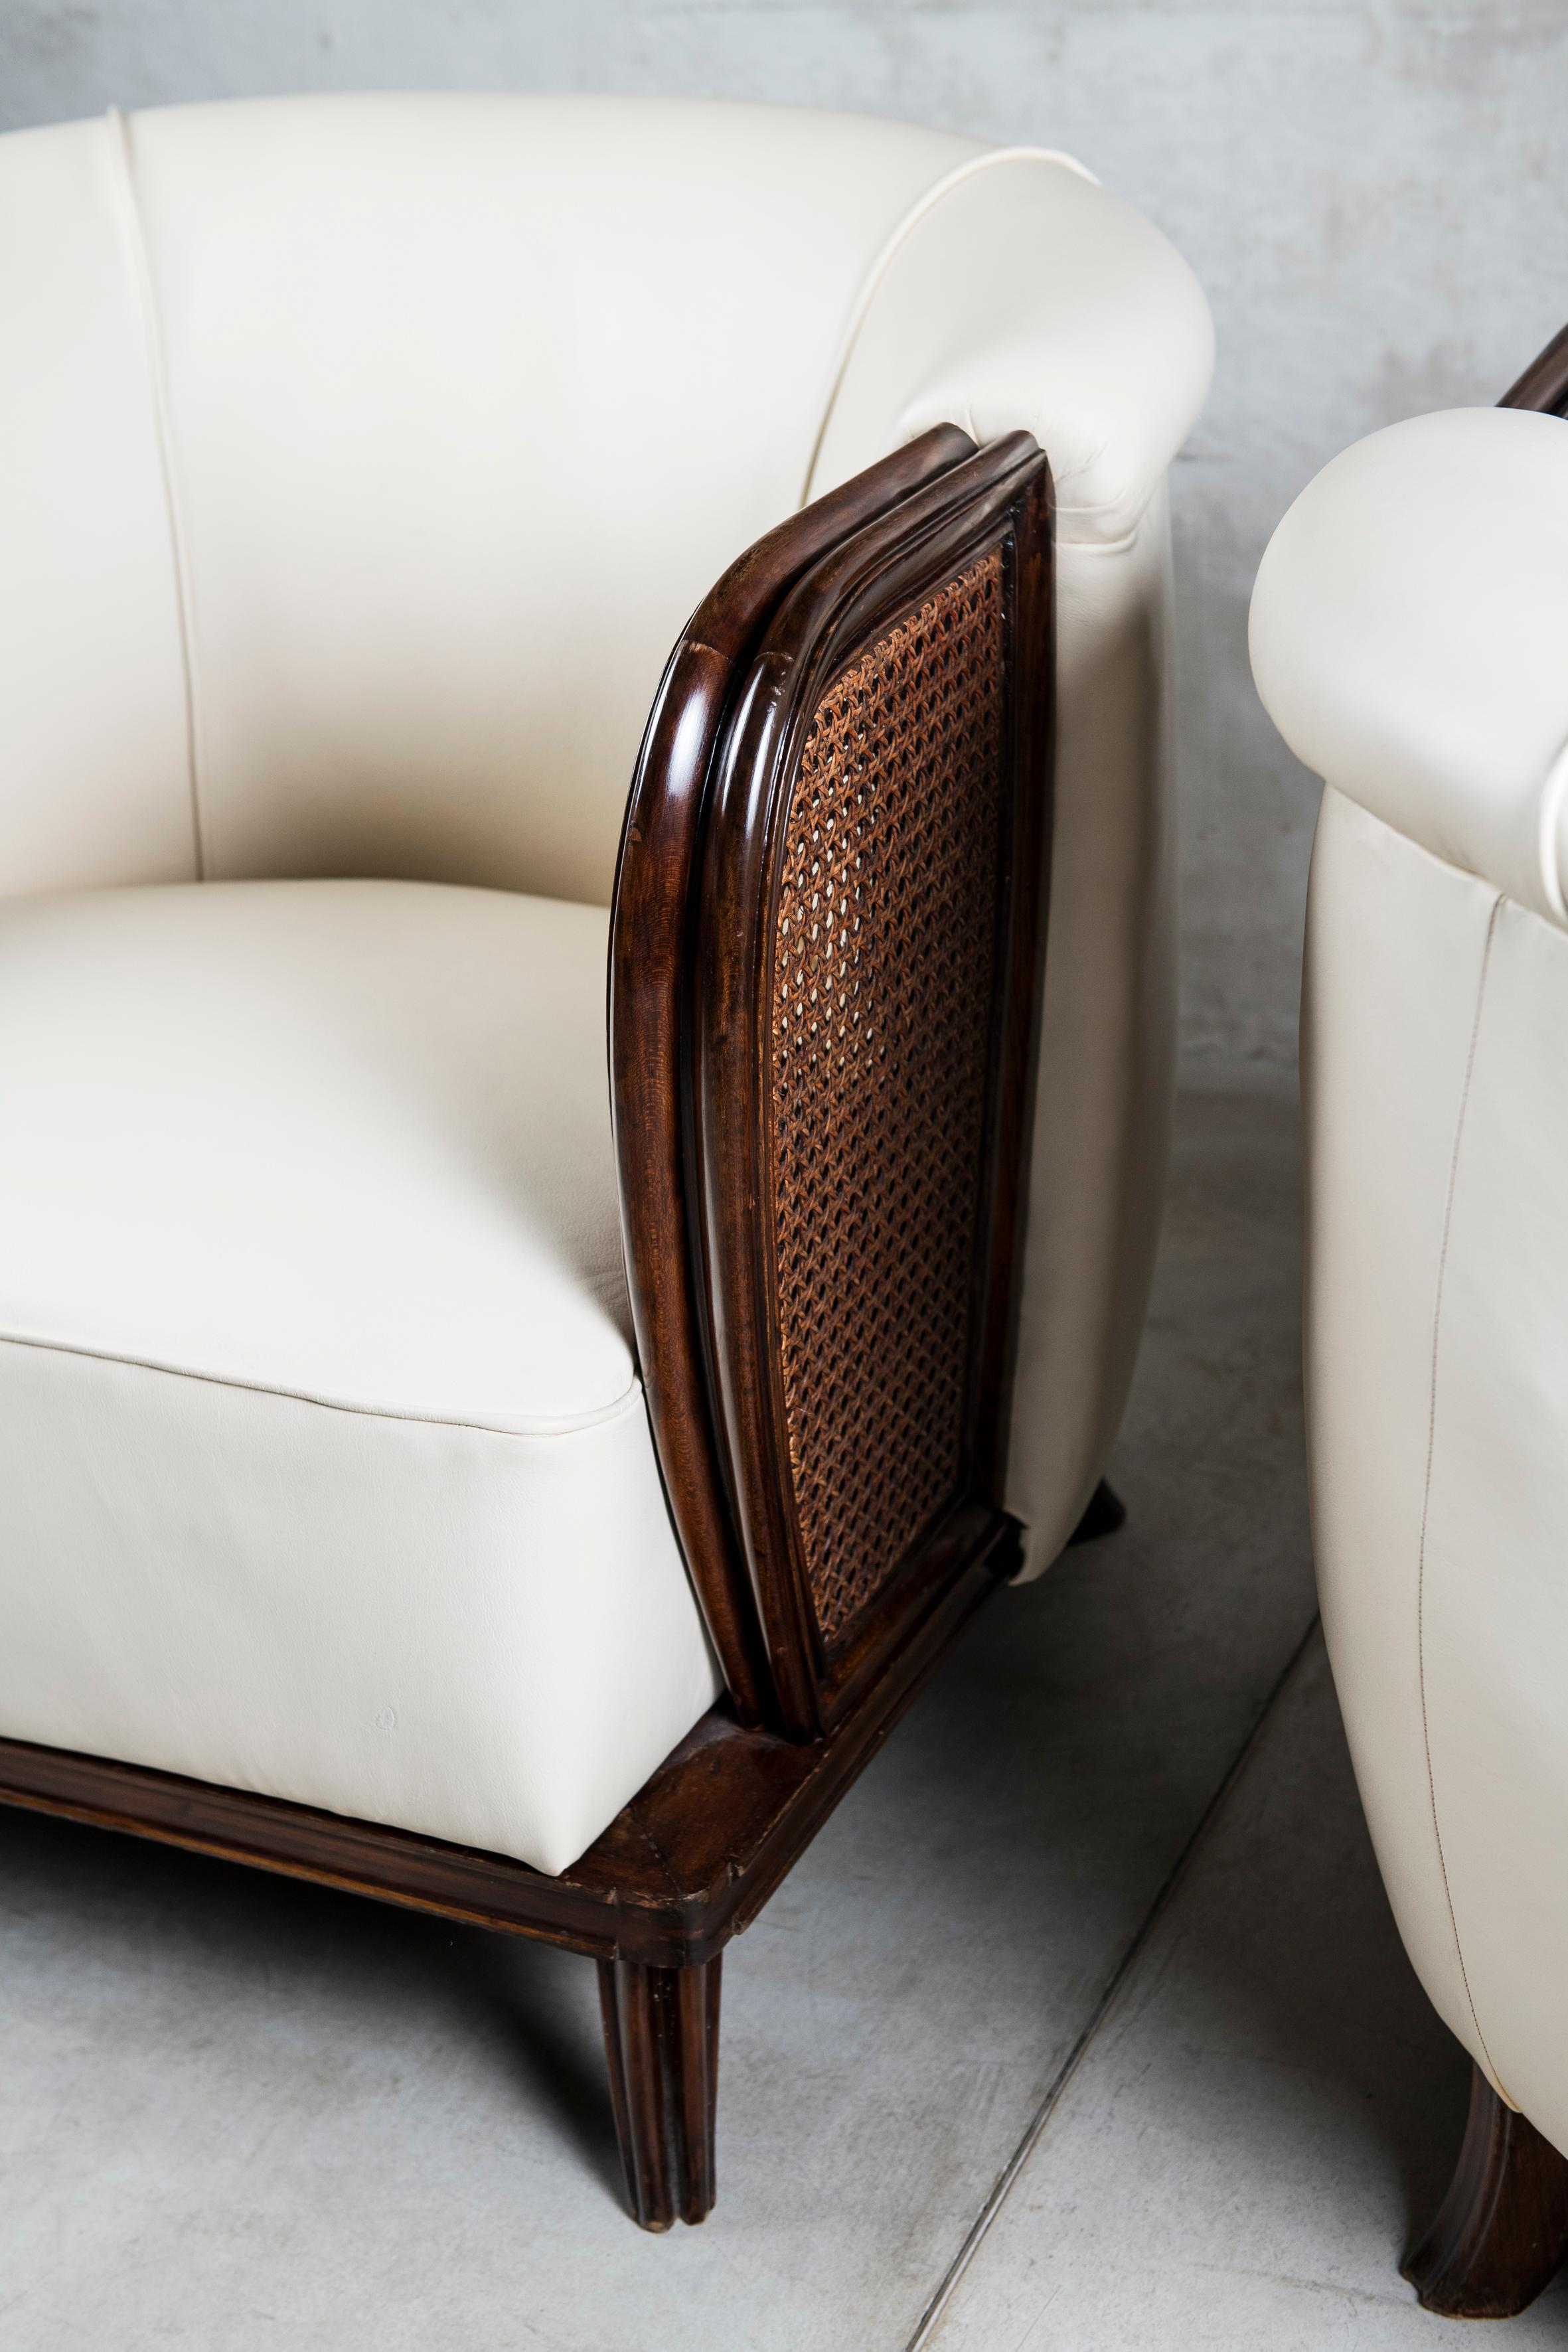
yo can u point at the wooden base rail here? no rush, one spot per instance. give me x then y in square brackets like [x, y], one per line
[687, 1865]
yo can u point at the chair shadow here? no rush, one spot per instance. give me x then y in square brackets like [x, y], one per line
[533, 2008]
[557, 2052]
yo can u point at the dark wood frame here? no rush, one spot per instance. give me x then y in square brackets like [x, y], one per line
[1543, 387]
[722, 1396]
[686, 967]
[1501, 2232]
[692, 1858]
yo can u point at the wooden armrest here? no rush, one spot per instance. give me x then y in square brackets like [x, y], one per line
[1543, 385]
[826, 956]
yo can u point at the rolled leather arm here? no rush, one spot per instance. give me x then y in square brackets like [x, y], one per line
[1019, 295]
[1409, 637]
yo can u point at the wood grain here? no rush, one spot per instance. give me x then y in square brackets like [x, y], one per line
[649, 1019]
[998, 499]
[661, 2039]
[1501, 2232]
[1543, 387]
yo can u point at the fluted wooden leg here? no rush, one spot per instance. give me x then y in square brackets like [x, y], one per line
[1103, 1514]
[661, 2037]
[1503, 2229]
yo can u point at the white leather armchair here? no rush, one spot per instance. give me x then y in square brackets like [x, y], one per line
[1408, 634]
[360, 461]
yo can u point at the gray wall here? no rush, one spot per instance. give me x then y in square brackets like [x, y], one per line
[1375, 196]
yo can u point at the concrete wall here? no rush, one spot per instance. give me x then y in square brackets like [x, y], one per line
[1375, 196]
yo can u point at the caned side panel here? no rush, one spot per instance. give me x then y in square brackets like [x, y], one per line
[885, 973]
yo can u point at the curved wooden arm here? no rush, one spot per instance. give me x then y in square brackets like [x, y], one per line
[650, 939]
[1544, 383]
[824, 960]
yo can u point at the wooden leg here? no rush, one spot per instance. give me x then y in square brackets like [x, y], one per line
[1103, 1514]
[1502, 2229]
[661, 2037]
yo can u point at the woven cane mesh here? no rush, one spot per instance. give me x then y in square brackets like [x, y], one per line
[884, 984]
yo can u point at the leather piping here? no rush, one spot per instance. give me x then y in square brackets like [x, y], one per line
[1427, 1490]
[141, 269]
[546, 1430]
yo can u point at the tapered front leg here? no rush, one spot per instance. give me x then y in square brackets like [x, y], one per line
[661, 2038]
[1503, 2229]
[1104, 1512]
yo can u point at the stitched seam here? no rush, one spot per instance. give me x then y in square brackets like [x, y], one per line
[1102, 546]
[861, 311]
[622, 1404]
[1427, 1492]
[153, 346]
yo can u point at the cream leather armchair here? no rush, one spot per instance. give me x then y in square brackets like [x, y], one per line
[1408, 634]
[422, 1466]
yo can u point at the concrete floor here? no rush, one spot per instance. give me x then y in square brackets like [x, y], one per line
[238, 2114]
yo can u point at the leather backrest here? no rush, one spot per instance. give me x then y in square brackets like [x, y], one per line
[360, 458]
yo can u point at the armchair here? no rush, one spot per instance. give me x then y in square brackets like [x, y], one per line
[1407, 633]
[424, 1468]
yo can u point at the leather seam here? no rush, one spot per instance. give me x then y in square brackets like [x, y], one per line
[623, 1404]
[153, 342]
[1427, 1490]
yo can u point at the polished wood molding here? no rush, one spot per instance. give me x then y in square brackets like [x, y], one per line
[1501, 2232]
[661, 2037]
[650, 1014]
[1543, 387]
[867, 940]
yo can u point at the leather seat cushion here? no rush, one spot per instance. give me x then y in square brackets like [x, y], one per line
[324, 1468]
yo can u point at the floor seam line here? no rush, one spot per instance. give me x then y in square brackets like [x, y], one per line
[1033, 2131]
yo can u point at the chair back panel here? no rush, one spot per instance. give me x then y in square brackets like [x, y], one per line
[436, 417]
